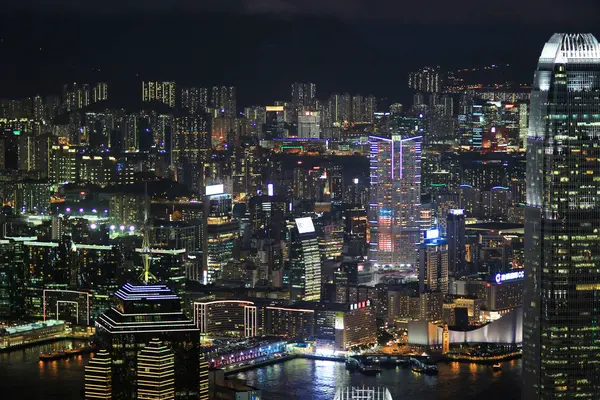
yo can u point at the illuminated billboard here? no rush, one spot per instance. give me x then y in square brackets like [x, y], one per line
[432, 234]
[305, 225]
[510, 276]
[274, 108]
[214, 189]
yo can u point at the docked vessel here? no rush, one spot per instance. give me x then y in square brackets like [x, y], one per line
[497, 367]
[57, 355]
[352, 364]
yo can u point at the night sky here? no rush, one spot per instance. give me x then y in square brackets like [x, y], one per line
[262, 46]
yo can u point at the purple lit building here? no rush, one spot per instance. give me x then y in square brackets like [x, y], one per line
[395, 204]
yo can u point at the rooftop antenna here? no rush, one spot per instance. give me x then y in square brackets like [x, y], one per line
[146, 275]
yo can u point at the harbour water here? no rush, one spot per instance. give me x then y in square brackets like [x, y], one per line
[23, 376]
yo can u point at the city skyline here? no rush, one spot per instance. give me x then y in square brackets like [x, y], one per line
[283, 199]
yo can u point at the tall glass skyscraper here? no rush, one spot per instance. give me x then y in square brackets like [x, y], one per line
[395, 205]
[561, 334]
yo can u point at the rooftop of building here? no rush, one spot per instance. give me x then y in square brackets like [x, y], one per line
[501, 227]
[145, 308]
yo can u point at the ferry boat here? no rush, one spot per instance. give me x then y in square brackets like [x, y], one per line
[57, 355]
[497, 367]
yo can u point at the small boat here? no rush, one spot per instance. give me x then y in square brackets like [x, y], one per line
[352, 364]
[497, 367]
[426, 369]
[52, 356]
[369, 370]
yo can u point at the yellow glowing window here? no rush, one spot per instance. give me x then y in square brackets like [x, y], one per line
[588, 286]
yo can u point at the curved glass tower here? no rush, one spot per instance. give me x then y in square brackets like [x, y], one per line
[561, 337]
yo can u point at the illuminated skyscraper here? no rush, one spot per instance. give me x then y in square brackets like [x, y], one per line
[433, 263]
[141, 313]
[305, 262]
[561, 350]
[155, 372]
[455, 231]
[395, 206]
[222, 231]
[98, 377]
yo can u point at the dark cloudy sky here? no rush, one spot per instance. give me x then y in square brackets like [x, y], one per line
[262, 46]
[558, 12]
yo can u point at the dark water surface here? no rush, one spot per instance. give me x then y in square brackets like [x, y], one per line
[22, 376]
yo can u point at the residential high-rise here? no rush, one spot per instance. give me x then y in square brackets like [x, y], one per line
[358, 109]
[427, 79]
[303, 95]
[224, 101]
[194, 100]
[98, 377]
[395, 206]
[561, 352]
[155, 372]
[159, 91]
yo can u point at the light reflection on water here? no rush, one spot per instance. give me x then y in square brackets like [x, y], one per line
[22, 376]
[302, 379]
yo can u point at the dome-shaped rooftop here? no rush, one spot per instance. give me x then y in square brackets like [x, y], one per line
[571, 47]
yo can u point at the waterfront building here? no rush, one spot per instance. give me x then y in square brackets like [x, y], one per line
[232, 318]
[155, 372]
[30, 333]
[140, 314]
[98, 377]
[561, 352]
[395, 206]
[340, 325]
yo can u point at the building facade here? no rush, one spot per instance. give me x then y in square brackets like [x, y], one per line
[395, 206]
[561, 352]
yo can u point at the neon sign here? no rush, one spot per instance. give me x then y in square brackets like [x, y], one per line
[510, 276]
